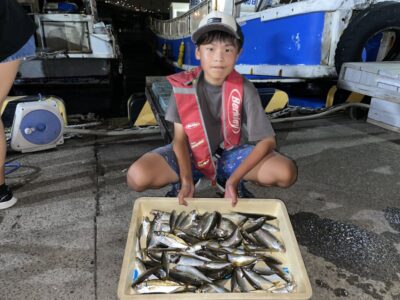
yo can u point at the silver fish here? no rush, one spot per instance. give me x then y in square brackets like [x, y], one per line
[160, 215]
[262, 268]
[160, 286]
[172, 221]
[191, 260]
[270, 227]
[142, 277]
[212, 288]
[256, 215]
[165, 262]
[266, 239]
[187, 237]
[218, 274]
[289, 288]
[208, 223]
[210, 255]
[139, 269]
[249, 238]
[282, 272]
[137, 248]
[256, 280]
[227, 225]
[252, 225]
[233, 240]
[181, 216]
[189, 219]
[234, 284]
[144, 231]
[237, 251]
[189, 274]
[270, 260]
[217, 233]
[170, 240]
[242, 282]
[276, 280]
[236, 218]
[241, 260]
[196, 247]
[216, 265]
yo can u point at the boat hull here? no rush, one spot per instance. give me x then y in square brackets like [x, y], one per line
[291, 41]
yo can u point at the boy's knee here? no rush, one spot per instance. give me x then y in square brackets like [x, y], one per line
[135, 179]
[288, 175]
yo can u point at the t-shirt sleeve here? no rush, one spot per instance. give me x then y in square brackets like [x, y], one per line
[172, 114]
[257, 124]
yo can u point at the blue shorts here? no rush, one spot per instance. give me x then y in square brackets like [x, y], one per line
[26, 51]
[227, 162]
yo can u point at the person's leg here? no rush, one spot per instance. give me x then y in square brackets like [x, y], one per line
[274, 170]
[150, 171]
[157, 169]
[8, 70]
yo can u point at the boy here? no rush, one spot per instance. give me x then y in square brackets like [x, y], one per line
[212, 105]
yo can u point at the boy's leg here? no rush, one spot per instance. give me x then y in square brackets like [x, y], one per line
[152, 170]
[273, 170]
[157, 169]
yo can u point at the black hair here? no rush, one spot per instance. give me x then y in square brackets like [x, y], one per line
[222, 36]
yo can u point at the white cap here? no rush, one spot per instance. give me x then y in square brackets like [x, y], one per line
[217, 20]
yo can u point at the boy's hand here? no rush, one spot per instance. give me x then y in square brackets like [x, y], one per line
[231, 192]
[187, 191]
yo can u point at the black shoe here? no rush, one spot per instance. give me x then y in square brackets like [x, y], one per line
[174, 191]
[242, 191]
[7, 199]
[176, 187]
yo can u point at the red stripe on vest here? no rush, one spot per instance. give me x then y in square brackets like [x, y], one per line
[192, 120]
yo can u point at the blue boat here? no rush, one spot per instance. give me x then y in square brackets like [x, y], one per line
[290, 40]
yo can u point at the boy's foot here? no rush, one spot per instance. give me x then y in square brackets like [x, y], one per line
[242, 191]
[7, 199]
[176, 187]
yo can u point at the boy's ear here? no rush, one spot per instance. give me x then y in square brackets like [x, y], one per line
[197, 52]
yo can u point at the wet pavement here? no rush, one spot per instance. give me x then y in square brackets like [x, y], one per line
[65, 238]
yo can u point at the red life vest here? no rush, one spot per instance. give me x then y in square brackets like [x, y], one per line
[184, 86]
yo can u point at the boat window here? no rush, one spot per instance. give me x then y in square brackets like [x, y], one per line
[70, 36]
[30, 6]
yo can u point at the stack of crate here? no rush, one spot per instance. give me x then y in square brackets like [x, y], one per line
[381, 81]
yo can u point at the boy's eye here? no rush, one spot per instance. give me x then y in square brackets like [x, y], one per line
[229, 50]
[209, 48]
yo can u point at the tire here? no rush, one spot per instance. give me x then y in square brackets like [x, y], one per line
[366, 25]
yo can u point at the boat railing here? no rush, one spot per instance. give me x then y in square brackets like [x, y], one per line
[183, 25]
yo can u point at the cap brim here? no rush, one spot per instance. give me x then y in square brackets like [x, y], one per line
[213, 27]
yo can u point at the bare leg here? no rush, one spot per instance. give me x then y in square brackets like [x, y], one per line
[274, 170]
[150, 171]
[8, 71]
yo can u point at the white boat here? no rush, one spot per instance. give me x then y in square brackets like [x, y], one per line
[287, 40]
[73, 45]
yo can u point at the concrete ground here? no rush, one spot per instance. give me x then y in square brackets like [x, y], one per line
[65, 238]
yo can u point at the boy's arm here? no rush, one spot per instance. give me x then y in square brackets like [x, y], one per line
[181, 150]
[262, 148]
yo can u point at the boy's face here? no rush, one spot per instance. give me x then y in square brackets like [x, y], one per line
[217, 60]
